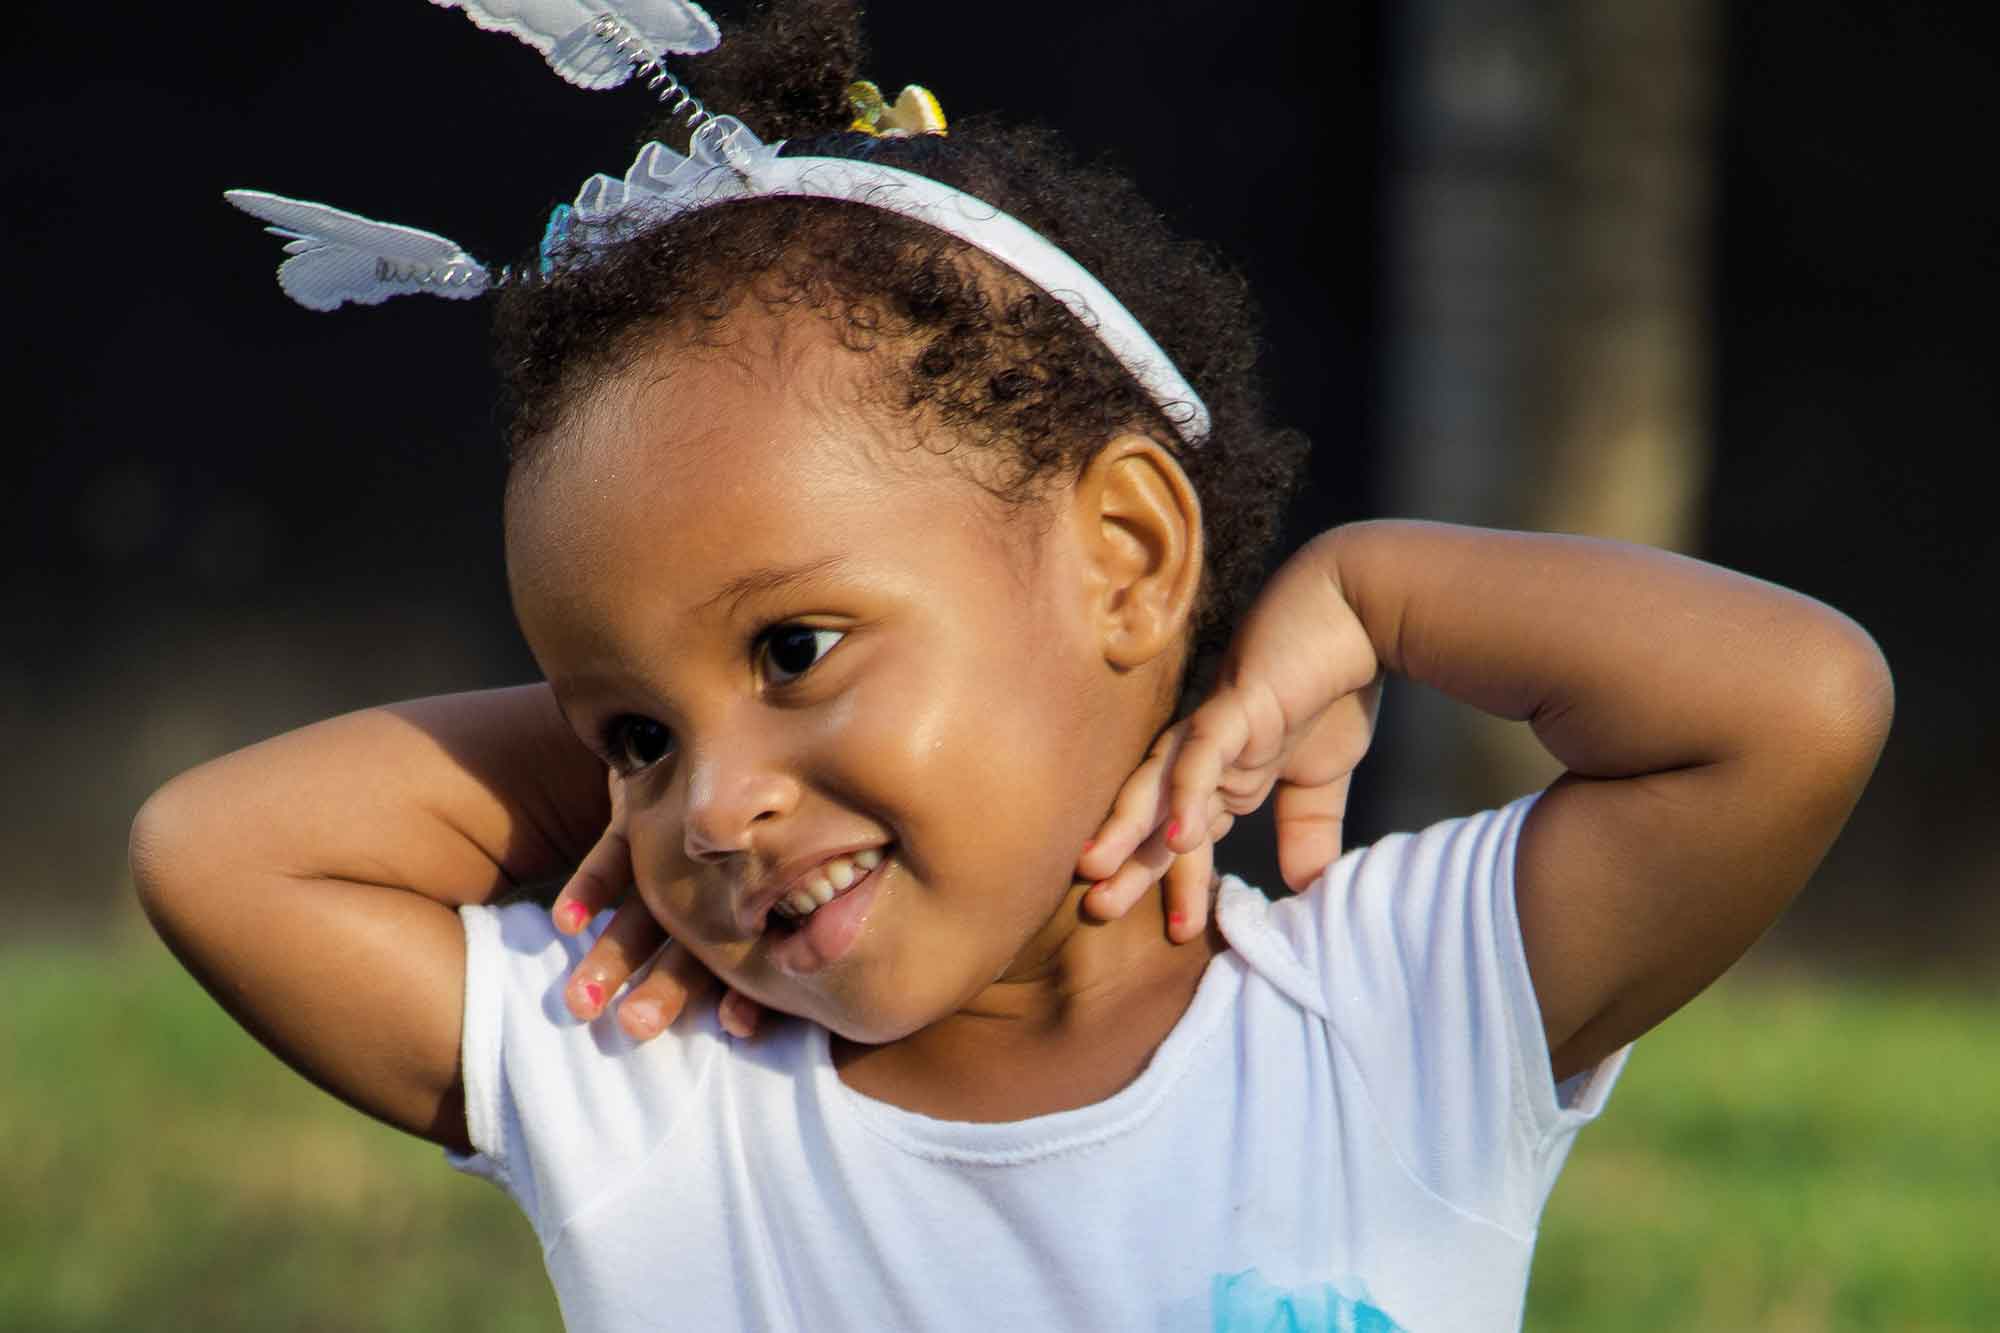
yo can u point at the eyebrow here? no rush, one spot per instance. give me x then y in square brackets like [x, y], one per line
[769, 579]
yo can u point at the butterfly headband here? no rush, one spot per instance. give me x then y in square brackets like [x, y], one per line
[337, 256]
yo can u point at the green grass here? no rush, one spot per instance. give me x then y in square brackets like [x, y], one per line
[1788, 1156]
[1782, 1156]
[160, 1171]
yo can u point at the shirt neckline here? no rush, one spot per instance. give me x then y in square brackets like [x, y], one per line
[1016, 1142]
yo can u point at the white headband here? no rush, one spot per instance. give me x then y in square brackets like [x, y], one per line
[338, 256]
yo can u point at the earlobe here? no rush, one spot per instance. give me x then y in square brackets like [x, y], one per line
[1141, 526]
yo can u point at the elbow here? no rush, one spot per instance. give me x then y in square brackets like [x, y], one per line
[157, 849]
[1861, 703]
[1847, 701]
[146, 849]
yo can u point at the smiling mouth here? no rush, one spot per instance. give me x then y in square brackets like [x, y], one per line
[823, 884]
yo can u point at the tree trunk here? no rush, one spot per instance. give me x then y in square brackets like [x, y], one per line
[1547, 361]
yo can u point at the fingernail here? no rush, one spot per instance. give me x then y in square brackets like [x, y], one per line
[641, 1018]
[1175, 918]
[573, 916]
[1089, 843]
[1173, 829]
[593, 994]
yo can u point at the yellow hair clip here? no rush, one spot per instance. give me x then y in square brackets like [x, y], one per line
[915, 111]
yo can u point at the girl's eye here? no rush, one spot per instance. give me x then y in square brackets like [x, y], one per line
[789, 651]
[634, 743]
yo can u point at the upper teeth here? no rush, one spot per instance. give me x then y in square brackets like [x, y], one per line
[825, 882]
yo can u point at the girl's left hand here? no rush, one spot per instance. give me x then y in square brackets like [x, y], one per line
[1293, 709]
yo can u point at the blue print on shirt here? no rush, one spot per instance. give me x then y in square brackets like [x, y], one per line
[1245, 1303]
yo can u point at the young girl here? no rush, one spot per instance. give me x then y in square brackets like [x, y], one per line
[896, 573]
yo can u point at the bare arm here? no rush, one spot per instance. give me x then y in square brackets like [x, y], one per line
[310, 882]
[1717, 731]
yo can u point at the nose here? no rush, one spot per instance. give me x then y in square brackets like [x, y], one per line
[734, 787]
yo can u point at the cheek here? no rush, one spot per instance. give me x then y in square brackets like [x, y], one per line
[671, 904]
[984, 758]
[669, 901]
[661, 874]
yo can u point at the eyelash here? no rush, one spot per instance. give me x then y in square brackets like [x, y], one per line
[619, 732]
[761, 653]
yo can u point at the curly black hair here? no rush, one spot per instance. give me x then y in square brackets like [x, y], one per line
[953, 338]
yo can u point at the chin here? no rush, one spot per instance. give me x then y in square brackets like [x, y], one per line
[877, 1028]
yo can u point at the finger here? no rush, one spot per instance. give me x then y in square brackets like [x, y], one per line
[659, 994]
[1185, 888]
[600, 881]
[739, 1014]
[1189, 885]
[1311, 809]
[1311, 825]
[1337, 740]
[1112, 897]
[1216, 735]
[627, 942]
[1140, 807]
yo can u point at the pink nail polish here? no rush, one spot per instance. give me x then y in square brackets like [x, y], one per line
[1173, 829]
[1089, 843]
[593, 994]
[1175, 918]
[573, 916]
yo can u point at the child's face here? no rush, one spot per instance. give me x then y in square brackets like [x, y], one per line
[803, 639]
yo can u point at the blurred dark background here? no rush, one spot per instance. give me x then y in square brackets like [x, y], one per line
[1723, 278]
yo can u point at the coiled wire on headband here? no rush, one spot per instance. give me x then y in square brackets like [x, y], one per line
[649, 65]
[422, 275]
[335, 256]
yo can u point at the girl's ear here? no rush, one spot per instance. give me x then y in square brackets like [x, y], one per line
[1139, 521]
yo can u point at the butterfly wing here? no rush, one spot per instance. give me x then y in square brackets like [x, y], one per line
[562, 31]
[337, 256]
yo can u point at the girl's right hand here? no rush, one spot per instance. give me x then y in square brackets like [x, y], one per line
[657, 994]
[1292, 713]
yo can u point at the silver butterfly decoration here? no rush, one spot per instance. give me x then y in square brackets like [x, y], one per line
[337, 256]
[562, 30]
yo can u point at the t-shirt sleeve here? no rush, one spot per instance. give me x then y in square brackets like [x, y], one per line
[555, 1108]
[1415, 943]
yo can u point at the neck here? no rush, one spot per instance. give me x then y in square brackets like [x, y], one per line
[1073, 1019]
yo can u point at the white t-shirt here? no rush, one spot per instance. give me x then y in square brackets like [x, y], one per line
[1353, 1126]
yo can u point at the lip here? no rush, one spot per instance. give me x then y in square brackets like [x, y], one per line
[753, 914]
[831, 932]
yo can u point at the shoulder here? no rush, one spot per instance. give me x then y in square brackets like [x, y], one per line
[555, 1108]
[1410, 952]
[1396, 914]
